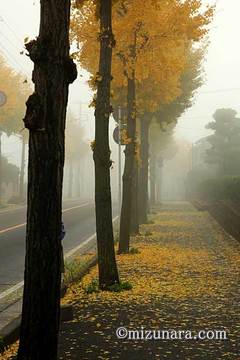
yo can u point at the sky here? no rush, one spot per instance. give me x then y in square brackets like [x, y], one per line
[20, 19]
[222, 67]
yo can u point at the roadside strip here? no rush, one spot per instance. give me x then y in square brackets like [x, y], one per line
[10, 333]
[67, 256]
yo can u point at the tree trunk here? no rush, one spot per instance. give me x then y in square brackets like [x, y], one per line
[134, 210]
[70, 179]
[125, 221]
[0, 167]
[22, 170]
[153, 179]
[108, 274]
[45, 119]
[143, 174]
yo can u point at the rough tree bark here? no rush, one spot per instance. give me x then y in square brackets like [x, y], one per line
[144, 171]
[45, 119]
[22, 170]
[125, 221]
[108, 273]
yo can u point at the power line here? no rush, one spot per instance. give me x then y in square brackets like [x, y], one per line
[196, 117]
[10, 41]
[18, 49]
[12, 31]
[12, 57]
[187, 128]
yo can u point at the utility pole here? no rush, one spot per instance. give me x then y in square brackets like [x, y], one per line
[3, 100]
[192, 165]
[80, 114]
[22, 171]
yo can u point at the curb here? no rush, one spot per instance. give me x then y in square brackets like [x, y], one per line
[10, 333]
[92, 262]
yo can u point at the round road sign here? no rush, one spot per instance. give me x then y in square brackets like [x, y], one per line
[116, 134]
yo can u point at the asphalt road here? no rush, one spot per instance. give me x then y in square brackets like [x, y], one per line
[79, 221]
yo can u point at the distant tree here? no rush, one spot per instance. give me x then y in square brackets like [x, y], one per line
[10, 172]
[16, 90]
[225, 142]
[24, 141]
[168, 112]
[76, 149]
[162, 147]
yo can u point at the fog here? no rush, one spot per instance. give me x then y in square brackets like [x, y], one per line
[127, 214]
[220, 89]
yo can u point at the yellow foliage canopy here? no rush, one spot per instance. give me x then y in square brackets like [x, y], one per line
[17, 91]
[152, 39]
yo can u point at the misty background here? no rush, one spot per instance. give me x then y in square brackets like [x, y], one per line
[20, 20]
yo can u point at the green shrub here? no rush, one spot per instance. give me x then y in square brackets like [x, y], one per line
[92, 287]
[120, 287]
[134, 251]
[148, 233]
[77, 268]
[150, 222]
[194, 178]
[220, 188]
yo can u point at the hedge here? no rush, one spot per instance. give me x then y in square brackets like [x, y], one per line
[221, 188]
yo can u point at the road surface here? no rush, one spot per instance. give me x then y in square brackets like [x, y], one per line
[79, 220]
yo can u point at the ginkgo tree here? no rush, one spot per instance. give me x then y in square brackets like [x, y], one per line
[163, 100]
[16, 90]
[161, 56]
[12, 84]
[168, 113]
[76, 148]
[100, 13]
[152, 39]
[54, 70]
[162, 147]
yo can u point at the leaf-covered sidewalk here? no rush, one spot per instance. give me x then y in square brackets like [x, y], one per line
[185, 277]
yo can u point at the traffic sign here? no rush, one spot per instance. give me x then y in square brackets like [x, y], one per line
[116, 134]
[116, 114]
